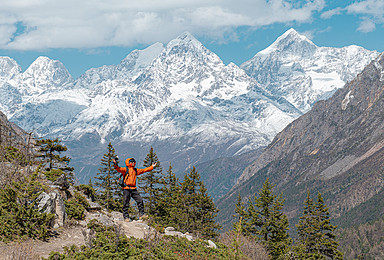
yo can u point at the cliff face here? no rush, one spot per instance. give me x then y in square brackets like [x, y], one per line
[336, 149]
[11, 134]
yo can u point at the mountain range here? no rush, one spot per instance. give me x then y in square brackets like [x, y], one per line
[179, 98]
[337, 149]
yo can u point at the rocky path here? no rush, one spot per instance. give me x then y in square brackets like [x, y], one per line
[75, 235]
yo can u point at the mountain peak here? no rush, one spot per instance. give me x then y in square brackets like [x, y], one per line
[186, 36]
[8, 68]
[291, 39]
[45, 70]
[45, 63]
[185, 39]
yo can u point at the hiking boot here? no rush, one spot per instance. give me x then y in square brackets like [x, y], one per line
[143, 217]
[127, 220]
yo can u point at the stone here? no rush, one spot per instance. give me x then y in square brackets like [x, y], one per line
[62, 182]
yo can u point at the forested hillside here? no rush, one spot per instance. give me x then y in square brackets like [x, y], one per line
[44, 204]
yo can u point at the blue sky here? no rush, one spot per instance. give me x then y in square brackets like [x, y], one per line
[91, 33]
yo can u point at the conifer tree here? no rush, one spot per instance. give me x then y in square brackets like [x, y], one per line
[316, 237]
[328, 245]
[240, 213]
[264, 219]
[169, 200]
[107, 180]
[151, 182]
[49, 151]
[198, 210]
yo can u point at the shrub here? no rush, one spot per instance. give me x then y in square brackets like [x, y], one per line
[19, 216]
[75, 207]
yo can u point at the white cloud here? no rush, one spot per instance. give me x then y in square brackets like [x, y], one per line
[366, 26]
[368, 7]
[372, 11]
[98, 23]
[328, 14]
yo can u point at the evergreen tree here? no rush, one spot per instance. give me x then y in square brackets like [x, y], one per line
[152, 182]
[107, 180]
[263, 219]
[316, 238]
[49, 151]
[328, 246]
[169, 200]
[197, 209]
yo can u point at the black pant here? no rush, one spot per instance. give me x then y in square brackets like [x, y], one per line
[128, 193]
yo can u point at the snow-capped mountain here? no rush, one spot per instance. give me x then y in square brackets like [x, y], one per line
[179, 98]
[295, 68]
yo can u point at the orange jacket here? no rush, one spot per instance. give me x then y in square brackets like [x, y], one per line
[130, 178]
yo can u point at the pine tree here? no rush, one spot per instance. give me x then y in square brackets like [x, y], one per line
[316, 238]
[240, 213]
[107, 180]
[49, 151]
[263, 219]
[169, 200]
[197, 209]
[328, 245]
[151, 182]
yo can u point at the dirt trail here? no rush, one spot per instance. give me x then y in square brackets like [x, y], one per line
[33, 249]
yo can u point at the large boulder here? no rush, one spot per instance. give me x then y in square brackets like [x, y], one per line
[52, 203]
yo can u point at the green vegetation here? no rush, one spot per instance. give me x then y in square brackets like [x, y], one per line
[263, 219]
[48, 152]
[19, 217]
[316, 234]
[107, 243]
[109, 193]
[76, 206]
[260, 231]
[151, 182]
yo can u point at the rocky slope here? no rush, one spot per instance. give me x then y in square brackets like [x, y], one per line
[335, 149]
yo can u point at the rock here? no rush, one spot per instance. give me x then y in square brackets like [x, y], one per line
[93, 206]
[62, 182]
[102, 218]
[211, 244]
[60, 212]
[168, 229]
[52, 203]
[117, 216]
[45, 203]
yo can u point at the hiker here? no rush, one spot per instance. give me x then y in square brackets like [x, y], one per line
[129, 186]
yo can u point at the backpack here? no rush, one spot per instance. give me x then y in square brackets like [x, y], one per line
[121, 179]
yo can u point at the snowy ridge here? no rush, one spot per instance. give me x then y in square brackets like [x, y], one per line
[179, 98]
[296, 69]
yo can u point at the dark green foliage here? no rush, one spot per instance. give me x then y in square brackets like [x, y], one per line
[316, 234]
[108, 244]
[12, 154]
[19, 217]
[263, 219]
[109, 193]
[49, 153]
[76, 206]
[186, 206]
[53, 174]
[197, 211]
[88, 190]
[168, 201]
[151, 182]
